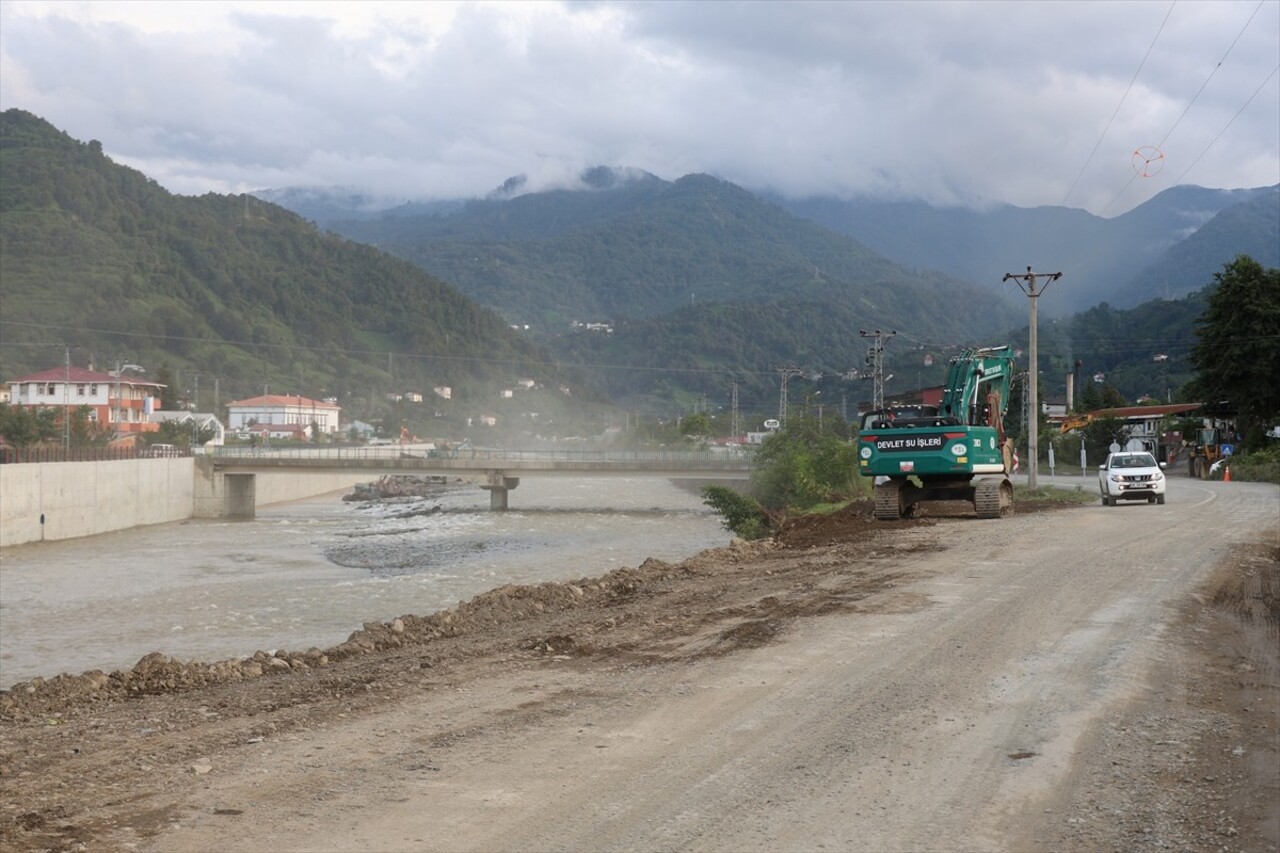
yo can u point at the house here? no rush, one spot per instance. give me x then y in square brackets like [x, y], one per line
[286, 432]
[444, 392]
[116, 398]
[283, 410]
[195, 420]
[362, 430]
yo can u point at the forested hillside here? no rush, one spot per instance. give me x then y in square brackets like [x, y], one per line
[99, 258]
[643, 247]
[1103, 260]
[1251, 228]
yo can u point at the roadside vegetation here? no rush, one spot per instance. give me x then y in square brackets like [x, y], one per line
[1258, 466]
[805, 464]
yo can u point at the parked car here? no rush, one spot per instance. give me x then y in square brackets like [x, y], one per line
[1131, 476]
[163, 451]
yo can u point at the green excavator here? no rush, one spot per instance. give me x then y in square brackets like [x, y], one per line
[955, 452]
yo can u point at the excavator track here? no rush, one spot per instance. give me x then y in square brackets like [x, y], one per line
[888, 498]
[993, 498]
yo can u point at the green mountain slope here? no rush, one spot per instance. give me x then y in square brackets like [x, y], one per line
[1101, 258]
[646, 247]
[98, 257]
[1250, 228]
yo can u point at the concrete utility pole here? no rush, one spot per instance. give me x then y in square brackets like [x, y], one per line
[875, 358]
[1027, 282]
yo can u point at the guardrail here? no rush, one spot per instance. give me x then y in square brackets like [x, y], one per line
[497, 456]
[18, 455]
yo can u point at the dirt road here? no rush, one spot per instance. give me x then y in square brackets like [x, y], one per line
[1091, 678]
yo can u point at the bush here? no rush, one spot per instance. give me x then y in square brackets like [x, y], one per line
[740, 514]
[800, 466]
[1260, 466]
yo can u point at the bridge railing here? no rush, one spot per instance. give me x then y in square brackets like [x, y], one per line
[692, 458]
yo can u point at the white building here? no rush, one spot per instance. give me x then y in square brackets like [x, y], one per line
[278, 409]
[197, 420]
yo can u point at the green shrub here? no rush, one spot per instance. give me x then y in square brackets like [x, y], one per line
[1260, 466]
[738, 513]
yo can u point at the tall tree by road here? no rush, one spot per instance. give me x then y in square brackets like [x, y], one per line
[1238, 353]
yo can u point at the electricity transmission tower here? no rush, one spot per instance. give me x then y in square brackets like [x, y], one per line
[875, 360]
[785, 373]
[733, 418]
[1028, 283]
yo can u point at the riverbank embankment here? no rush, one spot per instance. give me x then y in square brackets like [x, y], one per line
[49, 501]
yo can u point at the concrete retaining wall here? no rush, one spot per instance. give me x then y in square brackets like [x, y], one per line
[83, 498]
[86, 498]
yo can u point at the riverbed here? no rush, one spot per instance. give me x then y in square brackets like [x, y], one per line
[308, 573]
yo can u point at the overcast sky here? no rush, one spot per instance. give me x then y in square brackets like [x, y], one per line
[1030, 103]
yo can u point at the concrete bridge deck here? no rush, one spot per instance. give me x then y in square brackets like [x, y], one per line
[495, 469]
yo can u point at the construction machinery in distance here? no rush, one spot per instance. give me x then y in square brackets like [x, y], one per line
[955, 451]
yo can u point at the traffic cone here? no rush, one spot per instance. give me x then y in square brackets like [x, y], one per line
[1226, 475]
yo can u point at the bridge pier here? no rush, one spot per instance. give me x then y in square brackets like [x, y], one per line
[222, 494]
[498, 485]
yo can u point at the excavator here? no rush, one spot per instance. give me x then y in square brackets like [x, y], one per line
[957, 451]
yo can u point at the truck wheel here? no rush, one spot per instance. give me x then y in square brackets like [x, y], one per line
[1160, 500]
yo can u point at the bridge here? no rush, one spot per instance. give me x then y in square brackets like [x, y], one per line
[496, 470]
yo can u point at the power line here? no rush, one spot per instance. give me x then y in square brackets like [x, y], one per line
[1192, 102]
[1132, 80]
[1230, 121]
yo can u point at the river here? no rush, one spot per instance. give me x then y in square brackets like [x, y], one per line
[308, 573]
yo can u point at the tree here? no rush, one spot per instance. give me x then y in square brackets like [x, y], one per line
[169, 393]
[88, 433]
[1090, 397]
[23, 427]
[1099, 434]
[1112, 398]
[800, 465]
[1238, 349]
[696, 426]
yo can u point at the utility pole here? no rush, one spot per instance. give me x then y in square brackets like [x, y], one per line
[1029, 283]
[66, 400]
[875, 358]
[785, 373]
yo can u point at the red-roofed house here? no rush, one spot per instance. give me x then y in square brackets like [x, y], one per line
[281, 410]
[124, 402]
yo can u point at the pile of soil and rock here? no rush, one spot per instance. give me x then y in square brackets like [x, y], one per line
[390, 486]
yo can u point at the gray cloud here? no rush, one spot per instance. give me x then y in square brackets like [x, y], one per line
[956, 102]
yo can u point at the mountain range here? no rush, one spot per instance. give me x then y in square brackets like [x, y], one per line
[1167, 247]
[654, 294]
[98, 262]
[700, 279]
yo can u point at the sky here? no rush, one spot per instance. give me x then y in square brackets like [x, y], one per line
[1092, 105]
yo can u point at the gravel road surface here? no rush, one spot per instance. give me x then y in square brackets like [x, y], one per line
[1088, 678]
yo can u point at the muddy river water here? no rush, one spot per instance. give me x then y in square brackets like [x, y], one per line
[309, 573]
